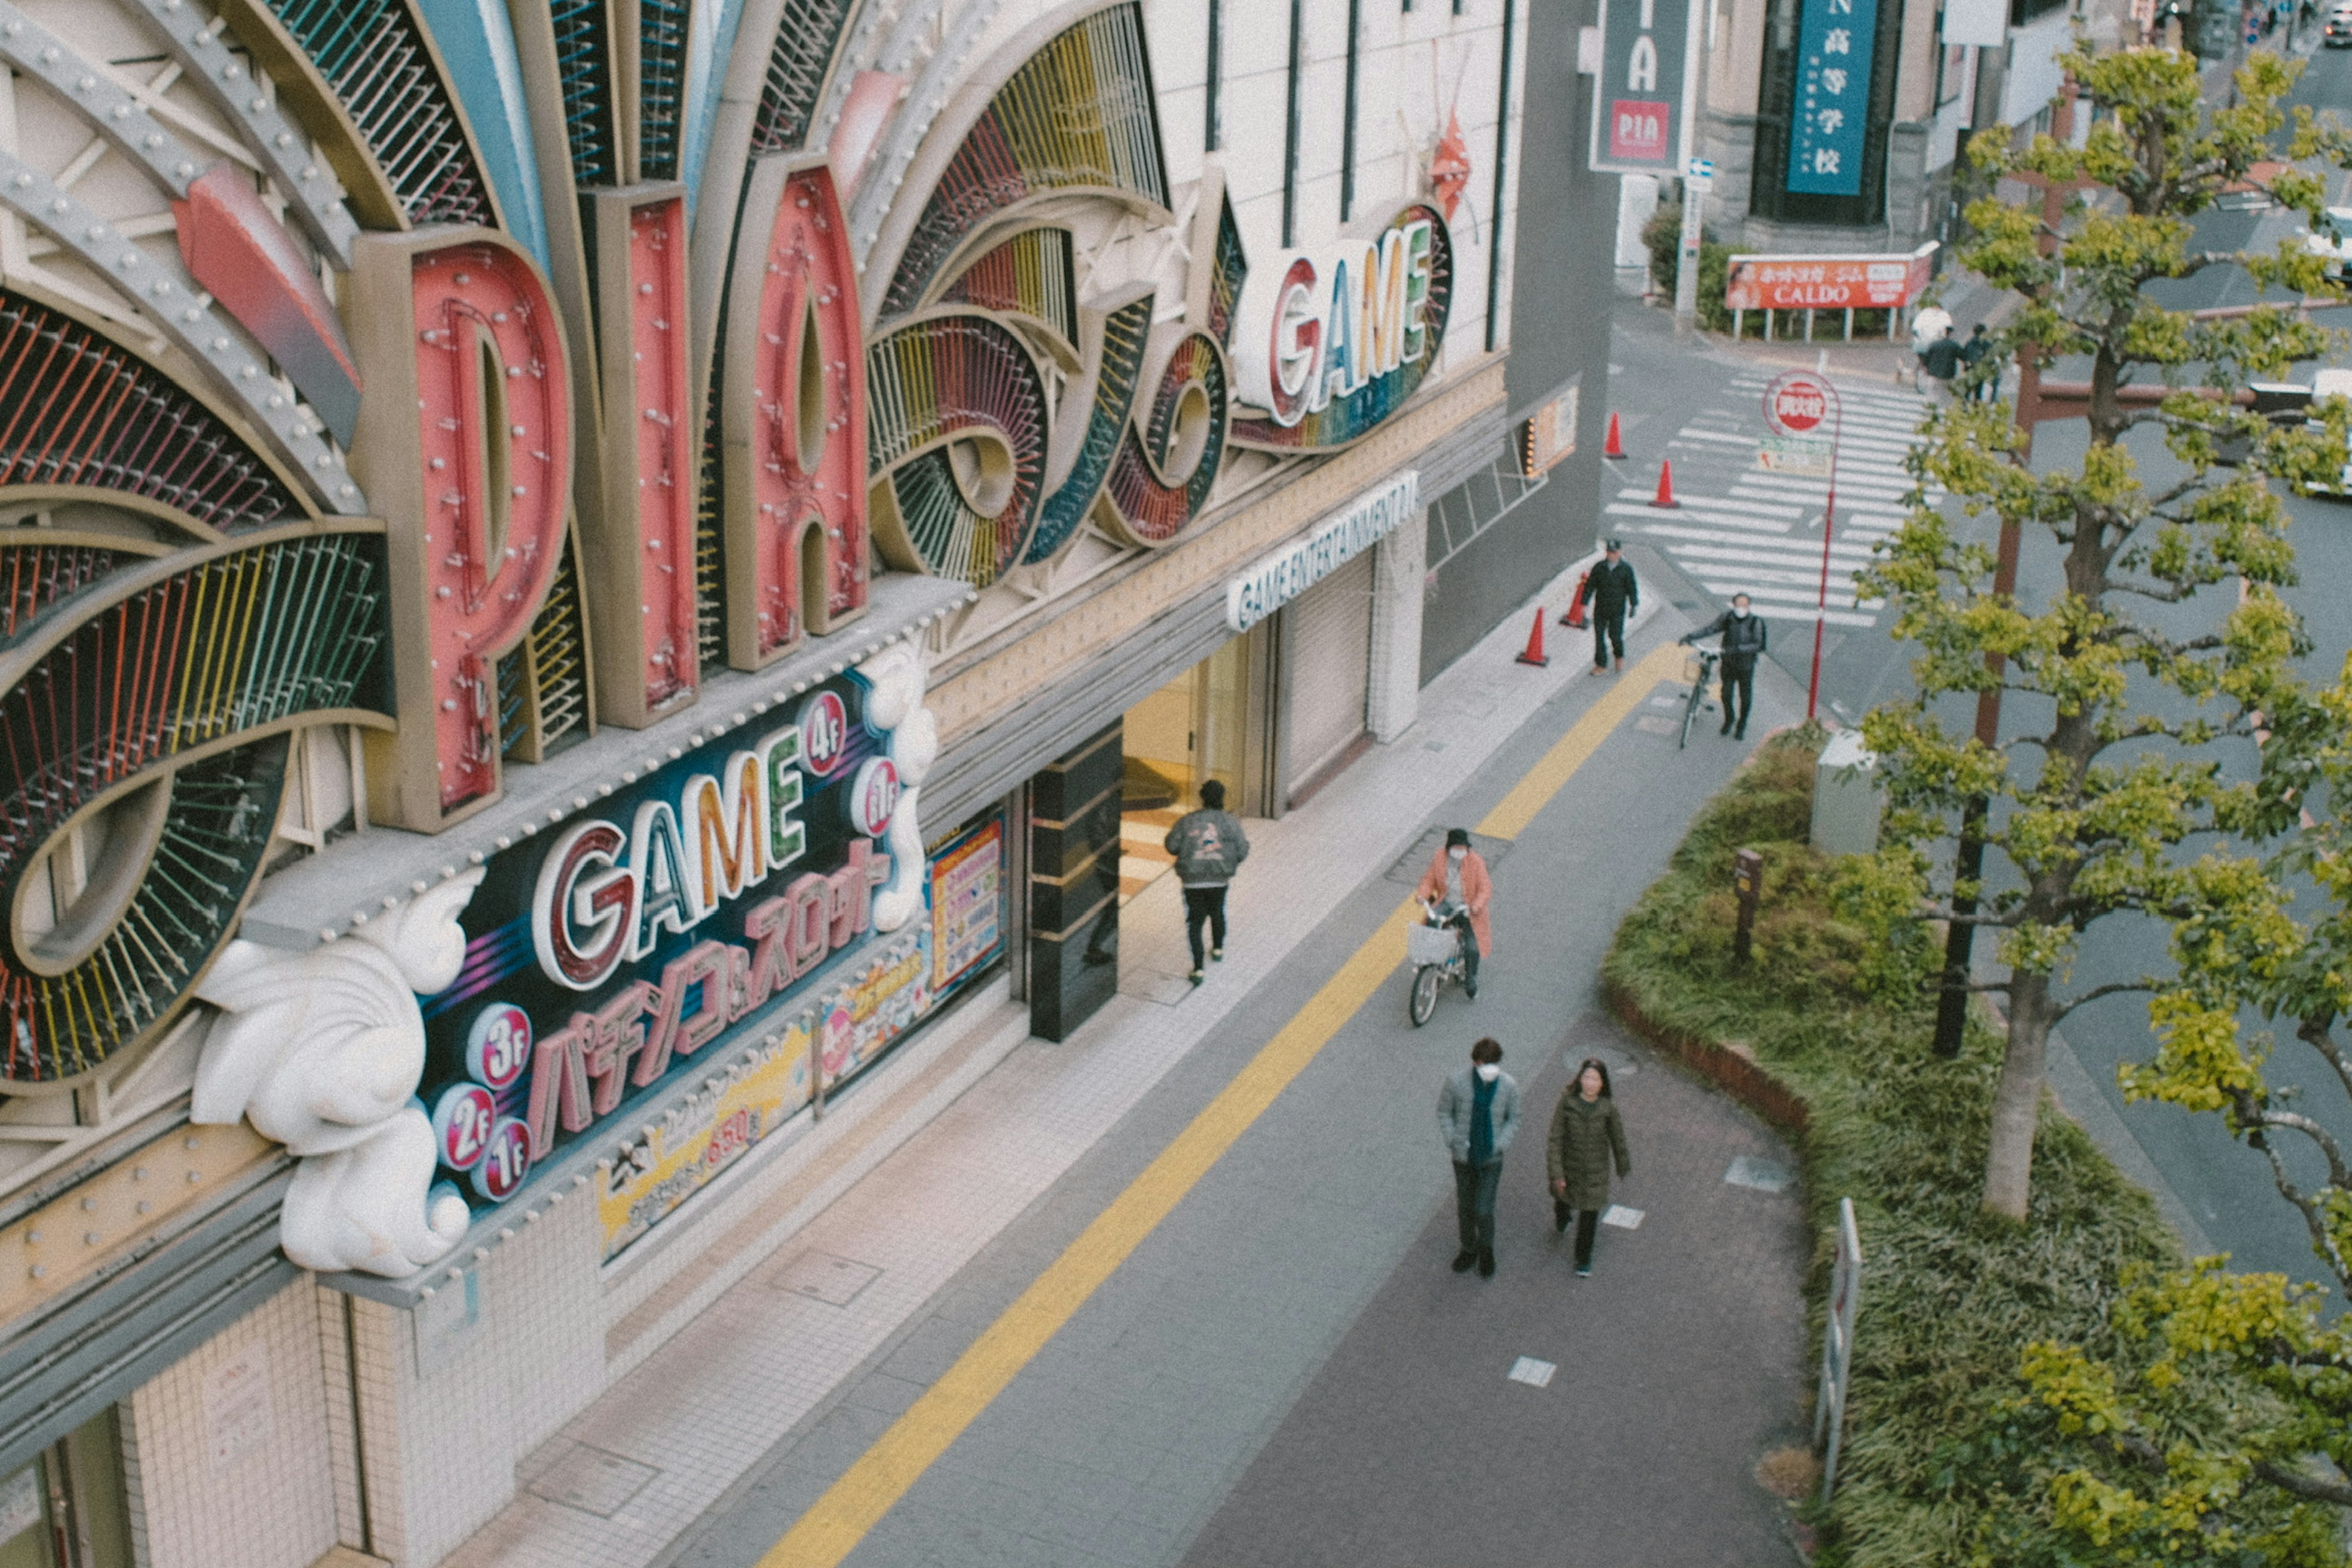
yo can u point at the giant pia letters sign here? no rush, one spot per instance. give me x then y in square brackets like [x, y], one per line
[728, 893]
[445, 429]
[1648, 60]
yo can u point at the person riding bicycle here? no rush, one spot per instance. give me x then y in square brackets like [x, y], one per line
[1457, 886]
[1743, 643]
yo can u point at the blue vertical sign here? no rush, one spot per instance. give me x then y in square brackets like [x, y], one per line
[1835, 41]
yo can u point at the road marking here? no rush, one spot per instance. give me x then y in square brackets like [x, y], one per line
[1533, 1372]
[856, 1503]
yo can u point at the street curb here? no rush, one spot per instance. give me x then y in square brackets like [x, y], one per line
[1728, 1064]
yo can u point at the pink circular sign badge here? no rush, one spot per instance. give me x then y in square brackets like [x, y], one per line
[462, 1121]
[825, 732]
[497, 1047]
[506, 1159]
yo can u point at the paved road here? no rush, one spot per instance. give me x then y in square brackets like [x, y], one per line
[1288, 1347]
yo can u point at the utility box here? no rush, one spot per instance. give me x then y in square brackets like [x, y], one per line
[1847, 799]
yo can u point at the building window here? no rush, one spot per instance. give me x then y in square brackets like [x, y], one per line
[1290, 129]
[66, 1510]
[1215, 130]
[1348, 108]
[2021, 12]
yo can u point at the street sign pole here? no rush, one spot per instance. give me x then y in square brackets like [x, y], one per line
[1695, 182]
[1796, 404]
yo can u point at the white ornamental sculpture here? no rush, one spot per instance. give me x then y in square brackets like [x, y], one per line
[322, 1051]
[896, 704]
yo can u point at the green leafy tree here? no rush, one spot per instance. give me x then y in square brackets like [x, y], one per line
[2105, 779]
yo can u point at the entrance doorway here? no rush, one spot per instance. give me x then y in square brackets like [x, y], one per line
[1209, 723]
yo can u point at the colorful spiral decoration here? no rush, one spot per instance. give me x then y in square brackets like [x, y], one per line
[584, 65]
[806, 37]
[183, 683]
[1229, 271]
[80, 413]
[1078, 115]
[371, 57]
[958, 421]
[1118, 372]
[1029, 275]
[1157, 487]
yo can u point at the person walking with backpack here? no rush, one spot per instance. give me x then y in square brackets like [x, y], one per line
[1614, 594]
[1477, 1117]
[1209, 847]
[1586, 1130]
[1743, 636]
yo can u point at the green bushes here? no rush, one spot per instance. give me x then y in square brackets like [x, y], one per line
[1945, 1462]
[1662, 237]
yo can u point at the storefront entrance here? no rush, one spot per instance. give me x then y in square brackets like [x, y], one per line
[1202, 725]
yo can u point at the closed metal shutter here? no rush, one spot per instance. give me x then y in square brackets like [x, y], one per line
[1330, 633]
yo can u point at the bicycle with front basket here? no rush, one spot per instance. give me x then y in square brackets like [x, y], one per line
[1434, 947]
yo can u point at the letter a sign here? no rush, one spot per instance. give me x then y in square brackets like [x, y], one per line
[1649, 53]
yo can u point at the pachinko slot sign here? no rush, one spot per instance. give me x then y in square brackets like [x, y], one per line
[687, 912]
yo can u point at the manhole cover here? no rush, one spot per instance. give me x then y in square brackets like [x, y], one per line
[1763, 1175]
[1408, 869]
[822, 1277]
[593, 1480]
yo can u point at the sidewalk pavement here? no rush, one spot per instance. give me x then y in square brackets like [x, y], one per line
[1264, 1345]
[771, 1355]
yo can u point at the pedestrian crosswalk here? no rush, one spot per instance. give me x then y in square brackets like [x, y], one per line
[1742, 530]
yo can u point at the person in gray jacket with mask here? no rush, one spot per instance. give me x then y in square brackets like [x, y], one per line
[1743, 643]
[1209, 848]
[1477, 1117]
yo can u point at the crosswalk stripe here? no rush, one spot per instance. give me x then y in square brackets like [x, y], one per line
[1834, 617]
[1718, 536]
[1691, 433]
[1699, 514]
[1802, 603]
[1761, 509]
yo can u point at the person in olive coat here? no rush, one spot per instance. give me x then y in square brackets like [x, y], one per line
[1586, 1130]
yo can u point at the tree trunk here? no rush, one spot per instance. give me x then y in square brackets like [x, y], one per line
[2017, 1102]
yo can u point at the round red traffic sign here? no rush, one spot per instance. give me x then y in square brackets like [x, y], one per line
[1796, 404]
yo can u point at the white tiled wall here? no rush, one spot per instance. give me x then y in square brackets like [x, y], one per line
[445, 1432]
[228, 1454]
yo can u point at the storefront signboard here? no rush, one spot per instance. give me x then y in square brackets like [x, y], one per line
[1648, 50]
[1282, 576]
[723, 899]
[1802, 282]
[1329, 342]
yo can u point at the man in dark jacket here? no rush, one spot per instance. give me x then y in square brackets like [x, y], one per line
[1209, 849]
[1614, 594]
[1972, 353]
[1743, 645]
[1942, 360]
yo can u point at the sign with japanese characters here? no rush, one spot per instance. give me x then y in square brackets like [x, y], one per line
[1828, 282]
[1836, 42]
[1645, 69]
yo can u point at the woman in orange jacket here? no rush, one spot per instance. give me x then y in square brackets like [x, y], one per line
[1458, 876]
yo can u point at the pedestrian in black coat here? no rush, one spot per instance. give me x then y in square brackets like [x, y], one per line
[1586, 1132]
[1743, 643]
[1615, 595]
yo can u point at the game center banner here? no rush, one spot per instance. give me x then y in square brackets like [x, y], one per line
[714, 917]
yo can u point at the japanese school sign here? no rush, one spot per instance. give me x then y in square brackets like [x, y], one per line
[1836, 42]
[1649, 62]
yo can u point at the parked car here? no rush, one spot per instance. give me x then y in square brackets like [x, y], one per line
[2339, 251]
[2338, 32]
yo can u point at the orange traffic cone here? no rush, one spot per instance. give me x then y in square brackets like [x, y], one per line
[1665, 496]
[1533, 653]
[1575, 615]
[1615, 445]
